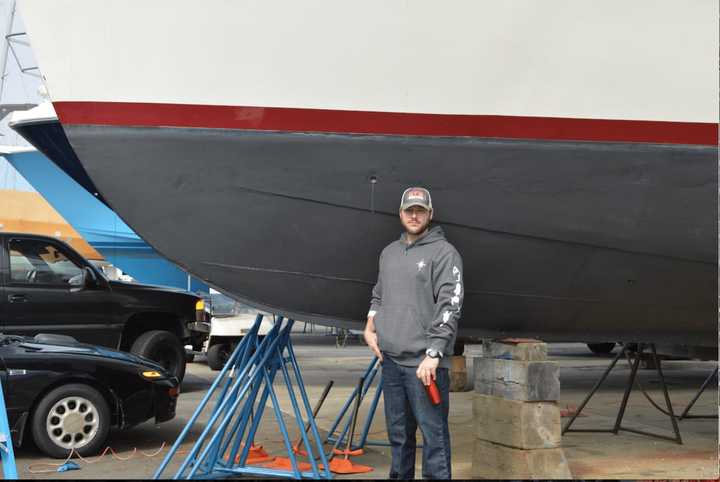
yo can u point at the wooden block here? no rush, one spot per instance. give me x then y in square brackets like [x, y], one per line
[516, 349]
[457, 363]
[494, 461]
[518, 380]
[524, 425]
[458, 374]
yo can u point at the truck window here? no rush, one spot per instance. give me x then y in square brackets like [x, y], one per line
[40, 262]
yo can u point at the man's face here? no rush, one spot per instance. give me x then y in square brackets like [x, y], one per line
[415, 219]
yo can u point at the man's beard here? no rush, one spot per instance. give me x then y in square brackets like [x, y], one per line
[416, 230]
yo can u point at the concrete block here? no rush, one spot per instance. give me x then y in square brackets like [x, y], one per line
[518, 380]
[524, 425]
[516, 349]
[494, 461]
[471, 351]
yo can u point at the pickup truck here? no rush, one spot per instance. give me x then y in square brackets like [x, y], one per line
[47, 287]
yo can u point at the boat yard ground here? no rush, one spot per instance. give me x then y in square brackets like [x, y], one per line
[590, 455]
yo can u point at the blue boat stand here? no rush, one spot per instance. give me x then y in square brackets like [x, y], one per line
[7, 455]
[223, 446]
[373, 370]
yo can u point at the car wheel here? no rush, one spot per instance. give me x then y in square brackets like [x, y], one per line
[70, 417]
[218, 355]
[163, 348]
[601, 348]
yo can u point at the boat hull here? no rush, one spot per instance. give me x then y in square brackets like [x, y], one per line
[100, 228]
[571, 159]
[562, 240]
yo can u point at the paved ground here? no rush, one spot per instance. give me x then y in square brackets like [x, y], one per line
[591, 456]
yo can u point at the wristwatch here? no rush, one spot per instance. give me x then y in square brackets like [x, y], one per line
[433, 353]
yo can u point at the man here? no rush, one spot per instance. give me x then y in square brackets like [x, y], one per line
[411, 327]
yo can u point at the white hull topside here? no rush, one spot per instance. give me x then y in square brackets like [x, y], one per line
[611, 59]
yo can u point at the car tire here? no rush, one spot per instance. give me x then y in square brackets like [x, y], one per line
[71, 416]
[164, 348]
[601, 348]
[218, 355]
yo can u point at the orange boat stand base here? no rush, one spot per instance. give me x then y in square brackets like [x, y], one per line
[354, 453]
[345, 466]
[284, 463]
[256, 455]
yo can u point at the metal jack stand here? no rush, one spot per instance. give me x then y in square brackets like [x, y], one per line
[224, 445]
[686, 412]
[369, 377]
[628, 388]
[6, 446]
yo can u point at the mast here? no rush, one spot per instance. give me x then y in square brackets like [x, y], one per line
[6, 46]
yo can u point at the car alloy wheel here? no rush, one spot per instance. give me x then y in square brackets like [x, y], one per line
[72, 422]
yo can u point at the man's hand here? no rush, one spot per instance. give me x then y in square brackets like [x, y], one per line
[427, 370]
[371, 338]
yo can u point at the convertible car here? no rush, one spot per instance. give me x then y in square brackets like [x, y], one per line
[66, 395]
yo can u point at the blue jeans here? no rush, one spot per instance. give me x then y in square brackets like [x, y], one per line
[407, 406]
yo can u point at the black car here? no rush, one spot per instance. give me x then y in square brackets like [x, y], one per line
[65, 394]
[47, 287]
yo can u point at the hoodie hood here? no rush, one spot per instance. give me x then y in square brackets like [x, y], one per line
[433, 234]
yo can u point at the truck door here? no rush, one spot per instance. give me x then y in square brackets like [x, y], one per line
[45, 293]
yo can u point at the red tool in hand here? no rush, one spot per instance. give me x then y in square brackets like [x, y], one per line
[433, 393]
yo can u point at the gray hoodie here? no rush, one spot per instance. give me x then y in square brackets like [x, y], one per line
[417, 299]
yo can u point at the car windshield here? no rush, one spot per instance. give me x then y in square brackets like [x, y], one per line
[224, 306]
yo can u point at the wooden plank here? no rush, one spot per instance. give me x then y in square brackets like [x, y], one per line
[494, 461]
[518, 380]
[522, 350]
[525, 425]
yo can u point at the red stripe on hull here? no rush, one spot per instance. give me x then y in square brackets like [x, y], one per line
[384, 123]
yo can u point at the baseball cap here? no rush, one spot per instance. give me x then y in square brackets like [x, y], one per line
[416, 196]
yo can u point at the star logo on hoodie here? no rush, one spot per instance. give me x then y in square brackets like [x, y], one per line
[421, 264]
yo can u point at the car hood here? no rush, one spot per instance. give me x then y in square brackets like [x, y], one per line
[89, 350]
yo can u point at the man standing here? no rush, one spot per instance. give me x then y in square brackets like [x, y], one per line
[411, 327]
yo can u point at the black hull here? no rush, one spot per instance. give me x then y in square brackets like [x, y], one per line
[560, 240]
[49, 138]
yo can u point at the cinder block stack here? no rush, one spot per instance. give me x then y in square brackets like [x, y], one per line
[517, 418]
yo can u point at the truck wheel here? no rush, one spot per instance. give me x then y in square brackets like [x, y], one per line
[163, 348]
[601, 348]
[217, 355]
[70, 417]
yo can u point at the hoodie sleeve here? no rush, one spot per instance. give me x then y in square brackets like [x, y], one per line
[449, 292]
[376, 299]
